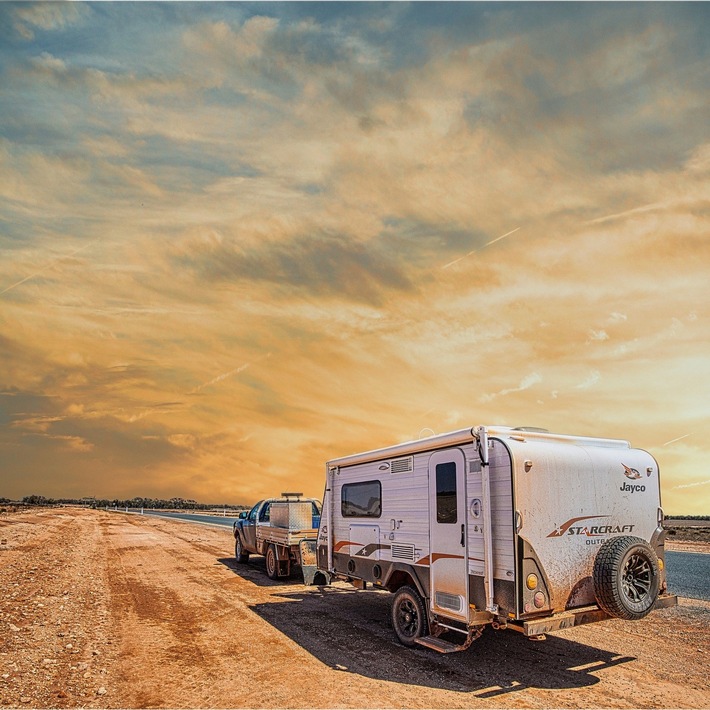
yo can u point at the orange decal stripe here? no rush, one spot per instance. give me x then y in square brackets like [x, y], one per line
[344, 543]
[445, 556]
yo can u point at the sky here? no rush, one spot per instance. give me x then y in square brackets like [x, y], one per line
[240, 239]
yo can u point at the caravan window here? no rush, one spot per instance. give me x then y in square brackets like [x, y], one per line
[446, 493]
[361, 500]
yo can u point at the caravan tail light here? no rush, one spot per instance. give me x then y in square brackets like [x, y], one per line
[531, 581]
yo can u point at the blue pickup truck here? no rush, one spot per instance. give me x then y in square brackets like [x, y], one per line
[284, 531]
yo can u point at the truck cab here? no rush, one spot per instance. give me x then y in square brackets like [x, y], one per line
[247, 522]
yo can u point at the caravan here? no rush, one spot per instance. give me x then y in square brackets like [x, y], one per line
[516, 528]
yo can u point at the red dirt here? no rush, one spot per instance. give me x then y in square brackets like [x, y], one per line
[107, 610]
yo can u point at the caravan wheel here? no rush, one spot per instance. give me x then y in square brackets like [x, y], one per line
[626, 577]
[408, 615]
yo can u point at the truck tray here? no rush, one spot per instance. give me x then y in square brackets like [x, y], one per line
[284, 536]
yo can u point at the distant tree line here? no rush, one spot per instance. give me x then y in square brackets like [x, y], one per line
[151, 503]
[687, 517]
[183, 504]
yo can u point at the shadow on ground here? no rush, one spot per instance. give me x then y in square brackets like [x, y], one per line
[350, 631]
[255, 572]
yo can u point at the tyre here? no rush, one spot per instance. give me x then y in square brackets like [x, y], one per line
[626, 577]
[239, 552]
[272, 563]
[409, 619]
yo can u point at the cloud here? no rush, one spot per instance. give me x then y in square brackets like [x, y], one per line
[672, 441]
[699, 160]
[598, 335]
[590, 381]
[526, 383]
[453, 418]
[74, 443]
[225, 375]
[46, 16]
[47, 266]
[493, 241]
[185, 441]
[693, 485]
[35, 423]
[320, 263]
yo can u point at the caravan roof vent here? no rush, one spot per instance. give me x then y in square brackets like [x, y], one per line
[405, 465]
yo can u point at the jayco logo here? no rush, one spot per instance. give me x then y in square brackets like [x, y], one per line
[632, 488]
[631, 473]
[634, 475]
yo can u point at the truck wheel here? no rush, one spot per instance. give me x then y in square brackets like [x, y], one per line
[272, 563]
[626, 577]
[239, 552]
[408, 615]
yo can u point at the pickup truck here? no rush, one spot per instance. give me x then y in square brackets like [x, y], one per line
[284, 530]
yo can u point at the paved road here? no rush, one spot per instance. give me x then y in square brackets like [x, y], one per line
[688, 572]
[193, 517]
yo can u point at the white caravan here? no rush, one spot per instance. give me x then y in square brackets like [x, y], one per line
[515, 528]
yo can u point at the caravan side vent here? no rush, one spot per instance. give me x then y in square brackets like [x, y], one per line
[448, 601]
[402, 551]
[474, 466]
[405, 465]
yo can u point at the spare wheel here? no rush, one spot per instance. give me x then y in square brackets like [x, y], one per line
[626, 577]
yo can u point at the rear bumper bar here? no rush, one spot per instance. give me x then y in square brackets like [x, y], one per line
[577, 617]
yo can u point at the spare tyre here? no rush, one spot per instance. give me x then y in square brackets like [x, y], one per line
[626, 577]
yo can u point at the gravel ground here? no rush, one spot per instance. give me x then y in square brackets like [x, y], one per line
[107, 610]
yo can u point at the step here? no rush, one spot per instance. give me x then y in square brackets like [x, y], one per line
[438, 644]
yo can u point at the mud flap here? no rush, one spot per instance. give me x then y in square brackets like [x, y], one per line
[309, 566]
[283, 561]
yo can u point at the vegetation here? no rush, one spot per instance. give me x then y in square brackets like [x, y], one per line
[137, 502]
[687, 517]
[183, 504]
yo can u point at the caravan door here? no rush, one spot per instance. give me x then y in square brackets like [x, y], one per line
[448, 564]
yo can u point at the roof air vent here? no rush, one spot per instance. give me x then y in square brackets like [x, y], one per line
[405, 465]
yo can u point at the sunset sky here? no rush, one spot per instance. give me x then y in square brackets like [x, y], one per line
[237, 240]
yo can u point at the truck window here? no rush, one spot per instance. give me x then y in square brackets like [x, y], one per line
[316, 508]
[446, 493]
[361, 500]
[265, 515]
[252, 512]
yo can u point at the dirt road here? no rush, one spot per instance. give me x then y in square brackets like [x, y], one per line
[108, 610]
